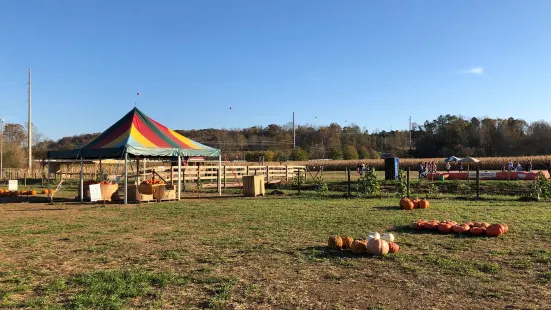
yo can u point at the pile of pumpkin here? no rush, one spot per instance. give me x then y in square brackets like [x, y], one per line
[474, 228]
[91, 182]
[150, 181]
[32, 192]
[410, 204]
[374, 244]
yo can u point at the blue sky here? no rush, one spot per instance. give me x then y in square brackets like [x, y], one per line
[373, 63]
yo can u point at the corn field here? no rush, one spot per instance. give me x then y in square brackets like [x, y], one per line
[486, 163]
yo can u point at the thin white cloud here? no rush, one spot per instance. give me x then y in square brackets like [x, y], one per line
[474, 70]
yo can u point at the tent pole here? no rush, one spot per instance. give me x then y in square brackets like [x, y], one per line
[125, 178]
[219, 175]
[179, 177]
[100, 171]
[137, 171]
[81, 180]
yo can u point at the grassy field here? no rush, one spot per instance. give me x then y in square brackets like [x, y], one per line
[269, 253]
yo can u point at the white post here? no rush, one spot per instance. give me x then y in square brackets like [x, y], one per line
[125, 178]
[220, 175]
[81, 180]
[144, 176]
[179, 177]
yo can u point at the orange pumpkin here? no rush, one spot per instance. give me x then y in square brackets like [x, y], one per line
[477, 230]
[377, 247]
[416, 203]
[33, 192]
[52, 191]
[393, 247]
[481, 224]
[461, 228]
[470, 224]
[346, 242]
[495, 230]
[358, 246]
[506, 227]
[406, 204]
[15, 193]
[445, 228]
[335, 243]
[418, 225]
[423, 204]
[44, 191]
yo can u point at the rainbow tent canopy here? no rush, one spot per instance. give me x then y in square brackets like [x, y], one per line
[139, 135]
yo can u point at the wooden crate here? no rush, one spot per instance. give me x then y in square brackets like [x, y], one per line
[148, 189]
[164, 193]
[253, 185]
[135, 195]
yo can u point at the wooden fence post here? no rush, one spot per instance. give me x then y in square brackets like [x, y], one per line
[224, 176]
[286, 174]
[299, 173]
[477, 182]
[348, 174]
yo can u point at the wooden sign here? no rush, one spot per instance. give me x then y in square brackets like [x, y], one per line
[95, 192]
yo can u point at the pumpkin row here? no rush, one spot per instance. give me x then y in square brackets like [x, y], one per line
[474, 228]
[410, 204]
[6, 193]
[150, 181]
[86, 183]
[373, 245]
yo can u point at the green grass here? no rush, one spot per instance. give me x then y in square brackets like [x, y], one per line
[269, 252]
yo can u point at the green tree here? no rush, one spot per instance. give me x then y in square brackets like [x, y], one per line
[269, 156]
[299, 154]
[363, 153]
[350, 152]
[336, 153]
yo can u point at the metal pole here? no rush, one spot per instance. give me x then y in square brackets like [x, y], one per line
[30, 131]
[219, 175]
[179, 177]
[407, 182]
[81, 180]
[125, 178]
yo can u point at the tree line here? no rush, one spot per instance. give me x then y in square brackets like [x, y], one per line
[445, 136]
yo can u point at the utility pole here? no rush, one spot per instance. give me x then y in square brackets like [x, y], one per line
[294, 139]
[29, 131]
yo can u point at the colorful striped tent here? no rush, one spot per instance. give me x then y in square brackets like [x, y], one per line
[137, 134]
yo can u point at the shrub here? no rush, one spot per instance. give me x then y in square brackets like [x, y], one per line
[401, 186]
[368, 185]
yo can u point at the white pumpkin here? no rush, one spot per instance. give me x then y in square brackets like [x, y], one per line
[373, 235]
[388, 237]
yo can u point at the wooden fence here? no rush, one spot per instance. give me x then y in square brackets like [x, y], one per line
[230, 175]
[207, 176]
